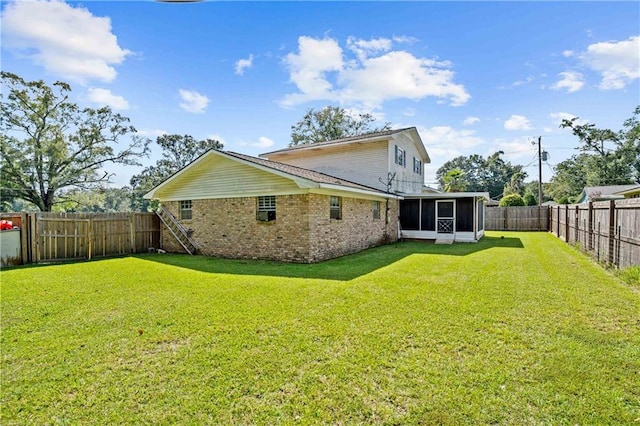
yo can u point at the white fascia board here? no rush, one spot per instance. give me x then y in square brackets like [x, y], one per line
[332, 189]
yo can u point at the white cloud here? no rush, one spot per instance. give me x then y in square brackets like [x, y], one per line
[322, 71]
[243, 64]
[470, 121]
[448, 137]
[517, 122]
[409, 112]
[365, 48]
[152, 133]
[568, 53]
[308, 69]
[618, 62]
[193, 101]
[527, 80]
[262, 143]
[444, 143]
[66, 41]
[103, 97]
[514, 149]
[571, 81]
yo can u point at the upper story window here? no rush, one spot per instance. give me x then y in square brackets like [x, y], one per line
[186, 210]
[266, 211]
[401, 158]
[417, 165]
[335, 207]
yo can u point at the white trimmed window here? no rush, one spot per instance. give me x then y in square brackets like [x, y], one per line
[186, 212]
[376, 209]
[401, 158]
[417, 165]
[335, 207]
[266, 208]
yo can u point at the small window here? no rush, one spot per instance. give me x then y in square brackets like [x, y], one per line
[417, 166]
[376, 209]
[266, 208]
[186, 209]
[335, 207]
[400, 157]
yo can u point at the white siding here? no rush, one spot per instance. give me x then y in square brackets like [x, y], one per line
[406, 180]
[363, 163]
[219, 177]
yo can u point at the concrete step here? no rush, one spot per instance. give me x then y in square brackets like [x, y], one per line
[444, 241]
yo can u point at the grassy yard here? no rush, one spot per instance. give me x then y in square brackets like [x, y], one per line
[520, 330]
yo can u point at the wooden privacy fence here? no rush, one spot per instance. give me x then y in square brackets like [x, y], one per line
[529, 218]
[609, 230]
[52, 237]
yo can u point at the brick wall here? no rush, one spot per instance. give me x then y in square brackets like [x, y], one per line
[302, 231]
[355, 231]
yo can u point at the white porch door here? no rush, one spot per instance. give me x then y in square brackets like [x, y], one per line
[445, 218]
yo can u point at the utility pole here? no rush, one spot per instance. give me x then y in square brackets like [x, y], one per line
[539, 170]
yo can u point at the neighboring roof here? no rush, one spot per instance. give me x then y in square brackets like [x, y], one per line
[427, 189]
[321, 180]
[629, 191]
[370, 137]
[609, 192]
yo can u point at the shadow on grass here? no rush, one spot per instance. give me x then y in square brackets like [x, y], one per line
[342, 269]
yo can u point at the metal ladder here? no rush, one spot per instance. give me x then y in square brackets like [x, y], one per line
[177, 230]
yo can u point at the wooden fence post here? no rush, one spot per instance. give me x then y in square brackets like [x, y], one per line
[590, 226]
[566, 223]
[35, 254]
[132, 231]
[612, 230]
[576, 231]
[89, 238]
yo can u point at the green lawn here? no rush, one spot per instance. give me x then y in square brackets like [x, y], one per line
[520, 330]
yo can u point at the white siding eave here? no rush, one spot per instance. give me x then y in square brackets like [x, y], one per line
[329, 189]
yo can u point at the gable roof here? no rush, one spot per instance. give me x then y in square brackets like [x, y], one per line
[608, 192]
[303, 177]
[629, 191]
[369, 137]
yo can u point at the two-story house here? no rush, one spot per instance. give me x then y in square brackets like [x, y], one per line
[301, 204]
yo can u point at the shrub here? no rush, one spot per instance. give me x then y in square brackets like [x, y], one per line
[512, 200]
[530, 199]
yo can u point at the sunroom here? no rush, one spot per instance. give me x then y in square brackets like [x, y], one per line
[443, 217]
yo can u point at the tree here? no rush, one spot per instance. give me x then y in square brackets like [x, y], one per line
[177, 152]
[490, 174]
[96, 200]
[331, 123]
[454, 181]
[511, 200]
[48, 144]
[515, 184]
[615, 155]
[529, 199]
[572, 175]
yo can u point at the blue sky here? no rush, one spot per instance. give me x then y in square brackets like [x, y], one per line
[473, 77]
